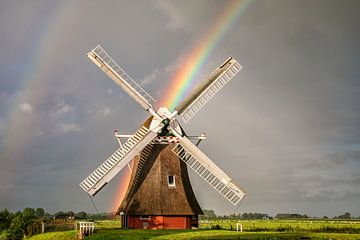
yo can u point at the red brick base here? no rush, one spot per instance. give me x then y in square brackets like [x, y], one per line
[160, 222]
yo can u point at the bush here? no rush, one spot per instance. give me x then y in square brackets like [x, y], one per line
[3, 235]
[5, 220]
[217, 226]
[17, 228]
[19, 223]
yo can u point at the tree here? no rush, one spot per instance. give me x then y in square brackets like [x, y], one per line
[29, 213]
[81, 215]
[254, 215]
[39, 212]
[70, 214]
[19, 223]
[17, 227]
[346, 215]
[58, 214]
[209, 214]
[5, 219]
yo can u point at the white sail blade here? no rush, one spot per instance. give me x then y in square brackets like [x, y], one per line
[120, 77]
[208, 170]
[207, 89]
[118, 160]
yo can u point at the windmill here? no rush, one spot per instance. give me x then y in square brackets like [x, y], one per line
[160, 194]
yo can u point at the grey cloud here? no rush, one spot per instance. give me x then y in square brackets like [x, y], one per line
[338, 158]
[286, 128]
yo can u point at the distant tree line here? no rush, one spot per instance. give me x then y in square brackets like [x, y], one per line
[290, 216]
[211, 215]
[347, 215]
[13, 226]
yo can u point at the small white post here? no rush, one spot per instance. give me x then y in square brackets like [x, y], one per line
[239, 225]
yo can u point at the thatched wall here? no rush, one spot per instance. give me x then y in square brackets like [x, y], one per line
[149, 193]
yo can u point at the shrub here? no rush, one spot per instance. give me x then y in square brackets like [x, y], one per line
[217, 226]
[17, 228]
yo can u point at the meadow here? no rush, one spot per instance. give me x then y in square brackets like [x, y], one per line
[335, 226]
[252, 229]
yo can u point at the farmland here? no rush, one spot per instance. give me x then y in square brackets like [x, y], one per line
[253, 229]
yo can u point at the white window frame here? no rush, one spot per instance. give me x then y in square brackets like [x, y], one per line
[171, 184]
[145, 218]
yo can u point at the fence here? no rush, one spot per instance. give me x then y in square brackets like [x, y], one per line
[51, 225]
[86, 228]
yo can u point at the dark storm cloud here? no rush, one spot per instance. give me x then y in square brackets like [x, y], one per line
[286, 128]
[343, 157]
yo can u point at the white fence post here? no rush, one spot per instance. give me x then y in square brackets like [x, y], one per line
[239, 225]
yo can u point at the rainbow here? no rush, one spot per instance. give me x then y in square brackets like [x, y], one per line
[191, 63]
[33, 77]
[190, 66]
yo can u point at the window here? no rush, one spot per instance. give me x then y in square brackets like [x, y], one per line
[144, 217]
[171, 181]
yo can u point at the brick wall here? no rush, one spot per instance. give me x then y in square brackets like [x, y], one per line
[160, 222]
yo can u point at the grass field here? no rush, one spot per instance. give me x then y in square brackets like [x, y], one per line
[64, 235]
[259, 229]
[119, 234]
[339, 226]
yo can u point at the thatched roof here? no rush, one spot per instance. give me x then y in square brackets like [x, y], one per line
[149, 193]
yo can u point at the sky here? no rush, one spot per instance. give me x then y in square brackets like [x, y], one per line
[286, 128]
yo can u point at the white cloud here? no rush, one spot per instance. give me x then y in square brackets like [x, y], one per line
[68, 127]
[109, 91]
[159, 74]
[62, 108]
[176, 21]
[106, 111]
[150, 78]
[26, 107]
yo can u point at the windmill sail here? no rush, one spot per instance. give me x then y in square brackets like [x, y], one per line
[208, 170]
[117, 161]
[120, 77]
[207, 89]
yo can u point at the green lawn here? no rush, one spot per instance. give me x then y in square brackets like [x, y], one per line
[301, 225]
[119, 234]
[116, 234]
[288, 225]
[259, 229]
[107, 224]
[64, 235]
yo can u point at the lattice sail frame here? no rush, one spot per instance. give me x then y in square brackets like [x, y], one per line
[117, 161]
[103, 60]
[207, 89]
[208, 170]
